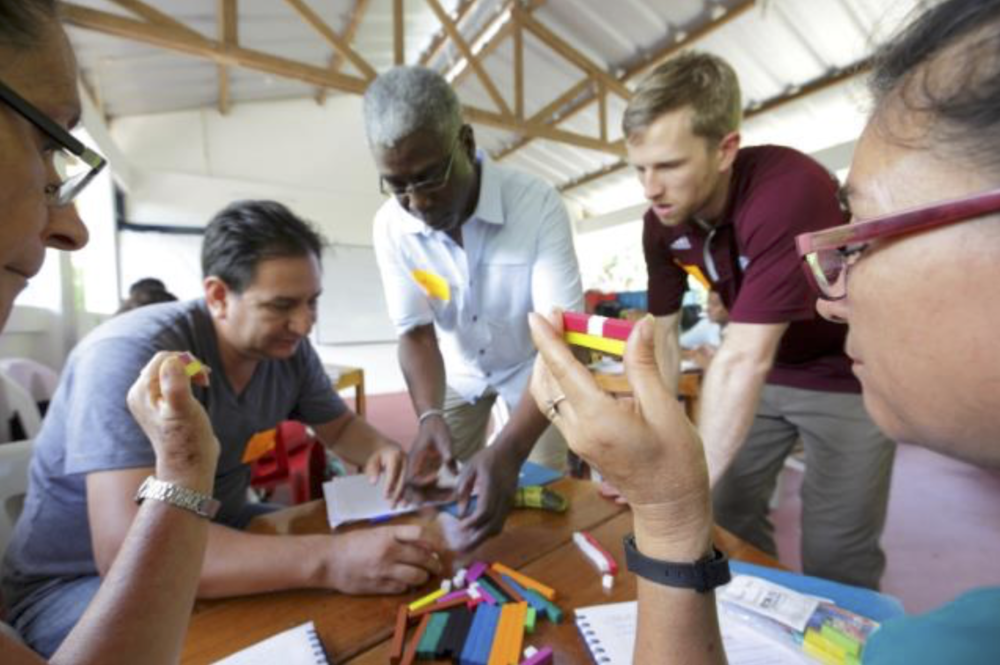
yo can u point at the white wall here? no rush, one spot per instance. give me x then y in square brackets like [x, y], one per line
[187, 166]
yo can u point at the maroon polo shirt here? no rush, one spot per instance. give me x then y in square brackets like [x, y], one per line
[776, 193]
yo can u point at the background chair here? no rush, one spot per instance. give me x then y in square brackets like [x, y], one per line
[14, 460]
[20, 417]
[297, 462]
[40, 381]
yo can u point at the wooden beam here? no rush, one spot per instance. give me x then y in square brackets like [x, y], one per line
[337, 59]
[398, 33]
[650, 62]
[544, 115]
[473, 60]
[811, 88]
[499, 36]
[155, 16]
[320, 26]
[228, 30]
[233, 56]
[518, 70]
[602, 110]
[570, 53]
[541, 131]
[441, 38]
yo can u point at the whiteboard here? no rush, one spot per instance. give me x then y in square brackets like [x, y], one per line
[352, 308]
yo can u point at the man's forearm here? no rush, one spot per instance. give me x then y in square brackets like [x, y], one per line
[423, 368]
[521, 432]
[239, 563]
[729, 396]
[355, 442]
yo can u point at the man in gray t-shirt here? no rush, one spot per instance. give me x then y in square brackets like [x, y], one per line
[262, 281]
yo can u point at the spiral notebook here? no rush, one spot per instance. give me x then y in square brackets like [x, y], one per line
[297, 646]
[609, 633]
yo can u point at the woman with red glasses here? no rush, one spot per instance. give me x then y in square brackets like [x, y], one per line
[922, 252]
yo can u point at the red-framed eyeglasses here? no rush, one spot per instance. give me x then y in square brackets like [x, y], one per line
[827, 255]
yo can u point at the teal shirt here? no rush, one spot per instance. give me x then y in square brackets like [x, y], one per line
[963, 632]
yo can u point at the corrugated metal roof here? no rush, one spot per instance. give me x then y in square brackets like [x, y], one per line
[776, 47]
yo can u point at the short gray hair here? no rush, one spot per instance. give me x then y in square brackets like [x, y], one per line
[405, 100]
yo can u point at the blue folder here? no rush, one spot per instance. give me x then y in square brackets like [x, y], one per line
[531, 474]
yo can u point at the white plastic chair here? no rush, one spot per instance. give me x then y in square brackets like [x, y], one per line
[14, 460]
[16, 400]
[39, 380]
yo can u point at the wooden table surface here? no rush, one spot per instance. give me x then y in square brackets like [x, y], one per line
[357, 629]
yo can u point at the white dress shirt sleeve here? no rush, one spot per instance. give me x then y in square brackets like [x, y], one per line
[408, 305]
[555, 276]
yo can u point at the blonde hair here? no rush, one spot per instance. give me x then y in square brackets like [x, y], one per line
[706, 83]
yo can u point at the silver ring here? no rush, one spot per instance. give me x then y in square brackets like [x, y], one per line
[553, 406]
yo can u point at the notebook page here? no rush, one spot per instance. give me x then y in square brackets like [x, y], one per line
[609, 631]
[297, 646]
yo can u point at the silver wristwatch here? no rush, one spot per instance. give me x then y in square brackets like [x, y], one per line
[175, 495]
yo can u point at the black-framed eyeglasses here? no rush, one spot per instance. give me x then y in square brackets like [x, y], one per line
[426, 186]
[75, 163]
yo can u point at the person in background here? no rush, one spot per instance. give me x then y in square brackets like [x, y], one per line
[700, 342]
[146, 291]
[924, 190]
[729, 216]
[148, 593]
[261, 266]
[466, 249]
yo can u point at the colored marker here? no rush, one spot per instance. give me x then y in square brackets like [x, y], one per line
[426, 600]
[592, 553]
[475, 571]
[612, 564]
[541, 656]
[398, 636]
[411, 649]
[525, 581]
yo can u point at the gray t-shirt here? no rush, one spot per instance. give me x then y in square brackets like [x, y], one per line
[88, 428]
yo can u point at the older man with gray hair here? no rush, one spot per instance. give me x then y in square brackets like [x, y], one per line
[466, 249]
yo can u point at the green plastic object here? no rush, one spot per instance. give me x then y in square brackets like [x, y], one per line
[540, 498]
[529, 620]
[432, 635]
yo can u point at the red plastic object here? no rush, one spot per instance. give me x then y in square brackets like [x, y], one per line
[298, 461]
[592, 297]
[609, 328]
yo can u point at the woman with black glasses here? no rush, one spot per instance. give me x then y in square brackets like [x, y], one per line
[140, 614]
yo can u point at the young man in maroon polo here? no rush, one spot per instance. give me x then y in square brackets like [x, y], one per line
[730, 216]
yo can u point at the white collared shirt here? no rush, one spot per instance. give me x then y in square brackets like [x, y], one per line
[518, 257]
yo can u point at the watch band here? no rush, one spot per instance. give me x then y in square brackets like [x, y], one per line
[182, 497]
[702, 575]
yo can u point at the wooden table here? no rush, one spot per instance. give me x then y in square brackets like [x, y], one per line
[688, 389]
[357, 629]
[351, 377]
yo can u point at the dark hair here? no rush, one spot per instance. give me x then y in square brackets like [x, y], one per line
[946, 65]
[248, 232]
[146, 291]
[22, 22]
